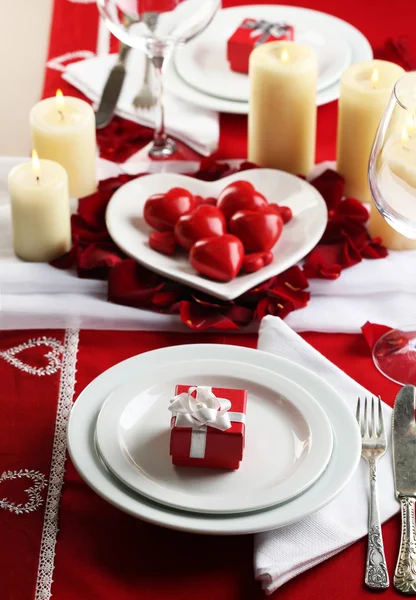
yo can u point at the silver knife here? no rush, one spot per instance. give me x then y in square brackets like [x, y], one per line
[404, 460]
[112, 89]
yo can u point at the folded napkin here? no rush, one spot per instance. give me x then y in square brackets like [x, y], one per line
[284, 553]
[197, 127]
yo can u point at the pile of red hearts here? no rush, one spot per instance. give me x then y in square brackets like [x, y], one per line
[222, 236]
[344, 243]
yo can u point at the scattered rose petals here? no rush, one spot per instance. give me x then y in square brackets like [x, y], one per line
[344, 243]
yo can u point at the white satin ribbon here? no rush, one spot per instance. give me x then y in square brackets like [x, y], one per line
[202, 410]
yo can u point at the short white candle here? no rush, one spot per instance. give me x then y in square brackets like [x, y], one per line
[397, 180]
[41, 219]
[365, 91]
[282, 115]
[63, 130]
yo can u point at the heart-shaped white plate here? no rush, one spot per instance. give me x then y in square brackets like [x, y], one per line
[130, 232]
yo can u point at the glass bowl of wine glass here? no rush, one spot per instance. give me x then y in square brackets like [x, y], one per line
[156, 27]
[392, 179]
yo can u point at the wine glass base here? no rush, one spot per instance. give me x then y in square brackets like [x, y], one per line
[184, 160]
[394, 355]
[163, 150]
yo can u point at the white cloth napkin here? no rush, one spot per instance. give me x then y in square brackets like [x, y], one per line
[284, 553]
[197, 127]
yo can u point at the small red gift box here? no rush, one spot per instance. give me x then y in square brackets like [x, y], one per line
[252, 33]
[206, 446]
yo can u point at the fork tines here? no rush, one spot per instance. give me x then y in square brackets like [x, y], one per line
[367, 426]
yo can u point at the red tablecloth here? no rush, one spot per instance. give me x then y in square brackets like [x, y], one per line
[101, 552]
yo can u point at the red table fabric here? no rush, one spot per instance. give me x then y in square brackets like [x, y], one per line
[101, 553]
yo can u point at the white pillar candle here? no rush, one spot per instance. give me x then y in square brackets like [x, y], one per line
[41, 219]
[63, 130]
[397, 180]
[365, 91]
[282, 115]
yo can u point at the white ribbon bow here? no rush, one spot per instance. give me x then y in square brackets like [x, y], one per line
[202, 410]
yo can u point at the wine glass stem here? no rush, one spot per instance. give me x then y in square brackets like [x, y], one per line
[160, 136]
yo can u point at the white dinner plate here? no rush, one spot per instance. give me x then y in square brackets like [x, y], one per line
[203, 63]
[130, 232]
[360, 51]
[288, 440]
[81, 446]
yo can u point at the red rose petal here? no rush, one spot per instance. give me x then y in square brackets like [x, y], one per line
[96, 260]
[331, 186]
[373, 331]
[201, 317]
[131, 284]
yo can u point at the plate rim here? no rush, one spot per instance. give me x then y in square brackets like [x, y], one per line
[183, 49]
[82, 451]
[309, 408]
[172, 79]
[222, 290]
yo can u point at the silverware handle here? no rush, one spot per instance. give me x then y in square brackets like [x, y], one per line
[147, 66]
[376, 576]
[405, 573]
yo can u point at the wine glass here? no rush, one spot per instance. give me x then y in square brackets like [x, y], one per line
[392, 179]
[157, 27]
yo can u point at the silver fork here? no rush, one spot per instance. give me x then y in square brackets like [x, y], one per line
[374, 446]
[145, 98]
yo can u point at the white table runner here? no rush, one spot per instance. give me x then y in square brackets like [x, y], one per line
[34, 295]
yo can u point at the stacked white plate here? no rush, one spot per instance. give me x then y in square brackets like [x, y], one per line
[302, 443]
[200, 73]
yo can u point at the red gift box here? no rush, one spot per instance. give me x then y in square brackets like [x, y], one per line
[223, 449]
[250, 34]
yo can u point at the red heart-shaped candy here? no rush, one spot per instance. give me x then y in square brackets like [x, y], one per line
[161, 211]
[239, 195]
[259, 231]
[204, 221]
[218, 257]
[162, 241]
[284, 211]
[257, 260]
[201, 200]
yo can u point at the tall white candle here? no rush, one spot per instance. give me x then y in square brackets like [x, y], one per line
[397, 180]
[365, 90]
[40, 208]
[63, 130]
[282, 115]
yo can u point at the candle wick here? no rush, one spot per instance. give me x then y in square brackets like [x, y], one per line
[61, 114]
[37, 179]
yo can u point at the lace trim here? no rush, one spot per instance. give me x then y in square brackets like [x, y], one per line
[56, 477]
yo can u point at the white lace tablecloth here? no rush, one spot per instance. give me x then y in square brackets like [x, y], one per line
[36, 295]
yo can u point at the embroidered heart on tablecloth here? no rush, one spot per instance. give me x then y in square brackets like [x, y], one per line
[34, 492]
[53, 357]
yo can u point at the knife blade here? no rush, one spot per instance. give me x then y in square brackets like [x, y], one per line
[404, 461]
[112, 89]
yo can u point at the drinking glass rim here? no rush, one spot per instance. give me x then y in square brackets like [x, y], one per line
[399, 102]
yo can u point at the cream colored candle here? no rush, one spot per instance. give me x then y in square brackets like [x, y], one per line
[365, 91]
[282, 115]
[397, 180]
[63, 130]
[41, 218]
